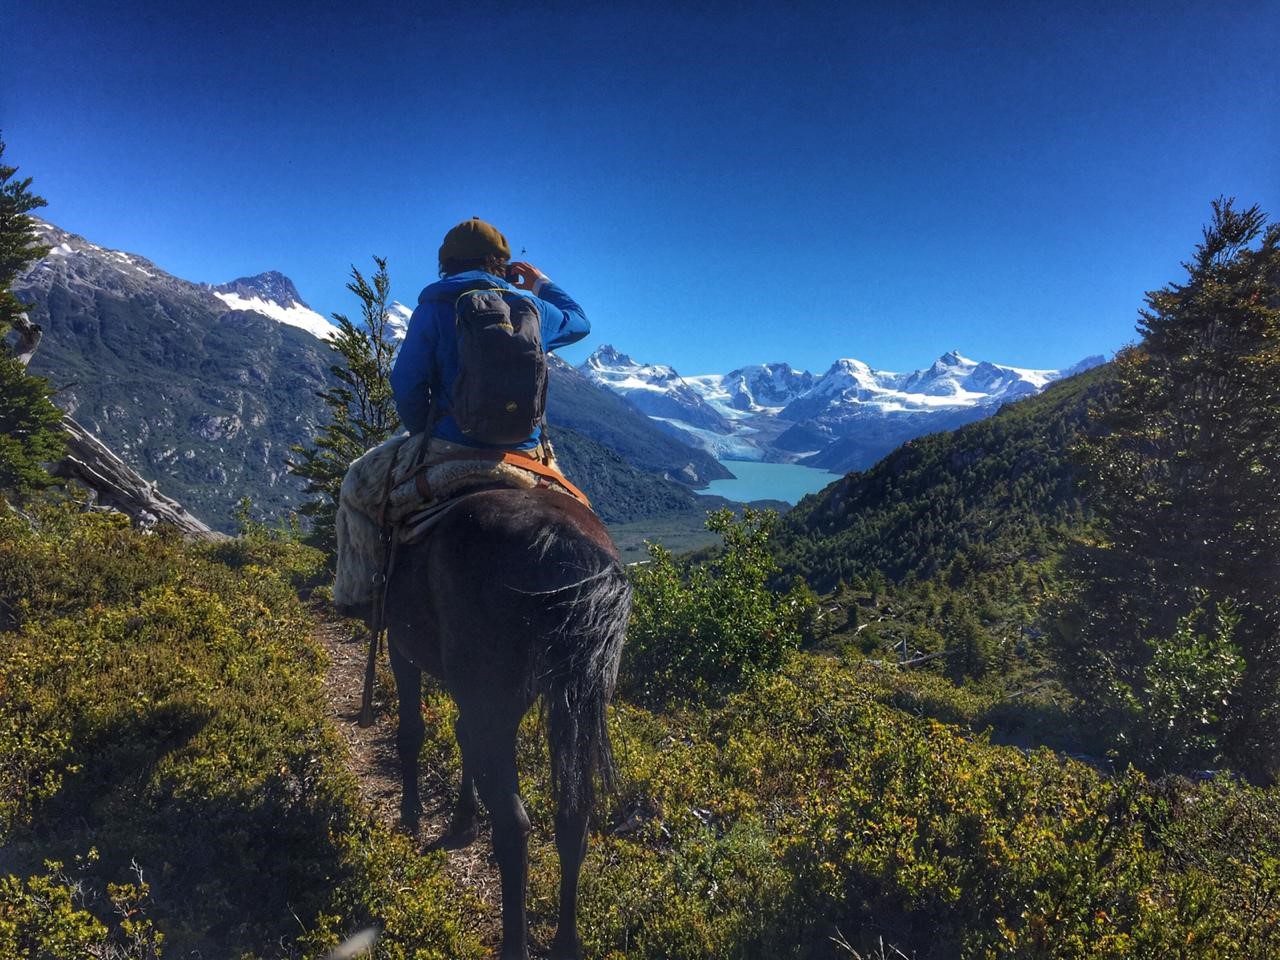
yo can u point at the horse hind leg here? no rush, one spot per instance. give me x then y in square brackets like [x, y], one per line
[571, 844]
[410, 732]
[573, 747]
[491, 742]
[464, 827]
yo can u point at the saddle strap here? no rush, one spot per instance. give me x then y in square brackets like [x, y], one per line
[520, 460]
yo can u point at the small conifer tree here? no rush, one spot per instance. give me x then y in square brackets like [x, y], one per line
[19, 244]
[362, 411]
[29, 433]
[1182, 589]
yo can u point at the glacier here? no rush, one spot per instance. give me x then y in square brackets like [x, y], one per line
[836, 419]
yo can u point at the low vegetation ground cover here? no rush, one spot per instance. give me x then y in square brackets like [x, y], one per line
[169, 784]
[823, 800]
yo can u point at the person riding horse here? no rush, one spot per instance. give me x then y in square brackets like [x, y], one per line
[517, 593]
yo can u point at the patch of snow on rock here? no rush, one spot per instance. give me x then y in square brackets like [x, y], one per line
[398, 319]
[295, 315]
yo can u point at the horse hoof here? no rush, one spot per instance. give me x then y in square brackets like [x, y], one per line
[410, 818]
[456, 838]
[565, 951]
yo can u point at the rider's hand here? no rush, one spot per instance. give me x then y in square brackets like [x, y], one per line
[526, 276]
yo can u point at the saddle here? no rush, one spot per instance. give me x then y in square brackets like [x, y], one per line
[398, 490]
[433, 489]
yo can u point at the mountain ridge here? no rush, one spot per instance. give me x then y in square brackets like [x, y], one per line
[843, 419]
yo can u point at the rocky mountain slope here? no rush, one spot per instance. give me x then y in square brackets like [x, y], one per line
[844, 419]
[201, 396]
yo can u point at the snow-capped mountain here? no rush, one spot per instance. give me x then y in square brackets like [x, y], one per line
[952, 381]
[273, 295]
[758, 388]
[774, 412]
[398, 319]
[656, 390]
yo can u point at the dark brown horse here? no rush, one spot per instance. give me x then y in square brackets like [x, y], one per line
[515, 594]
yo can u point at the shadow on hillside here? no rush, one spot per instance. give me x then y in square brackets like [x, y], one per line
[231, 867]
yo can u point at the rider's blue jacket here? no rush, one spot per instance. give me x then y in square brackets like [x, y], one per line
[427, 366]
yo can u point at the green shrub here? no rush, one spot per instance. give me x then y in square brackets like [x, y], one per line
[45, 917]
[696, 629]
[1191, 681]
[806, 808]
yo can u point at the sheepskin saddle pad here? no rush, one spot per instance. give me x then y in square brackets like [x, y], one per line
[417, 486]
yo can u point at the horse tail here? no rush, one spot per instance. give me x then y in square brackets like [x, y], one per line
[578, 680]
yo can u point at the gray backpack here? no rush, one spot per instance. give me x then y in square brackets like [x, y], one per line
[500, 395]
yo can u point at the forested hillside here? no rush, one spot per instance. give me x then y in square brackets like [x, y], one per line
[620, 492]
[995, 491]
[1113, 539]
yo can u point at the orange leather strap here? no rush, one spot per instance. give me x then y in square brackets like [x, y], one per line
[524, 462]
[542, 470]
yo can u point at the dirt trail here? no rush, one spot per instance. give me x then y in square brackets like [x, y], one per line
[372, 758]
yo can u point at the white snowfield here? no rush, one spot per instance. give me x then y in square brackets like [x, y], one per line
[847, 393]
[398, 319]
[295, 315]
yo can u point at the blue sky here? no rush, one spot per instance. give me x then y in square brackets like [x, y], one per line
[718, 184]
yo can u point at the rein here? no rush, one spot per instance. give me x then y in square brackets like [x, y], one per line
[388, 533]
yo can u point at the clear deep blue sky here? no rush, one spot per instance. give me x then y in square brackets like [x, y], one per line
[718, 184]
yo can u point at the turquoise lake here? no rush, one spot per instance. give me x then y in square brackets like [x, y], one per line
[769, 481]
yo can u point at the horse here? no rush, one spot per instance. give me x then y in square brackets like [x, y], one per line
[515, 594]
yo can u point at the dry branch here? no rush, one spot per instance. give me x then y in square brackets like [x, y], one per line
[29, 335]
[120, 487]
